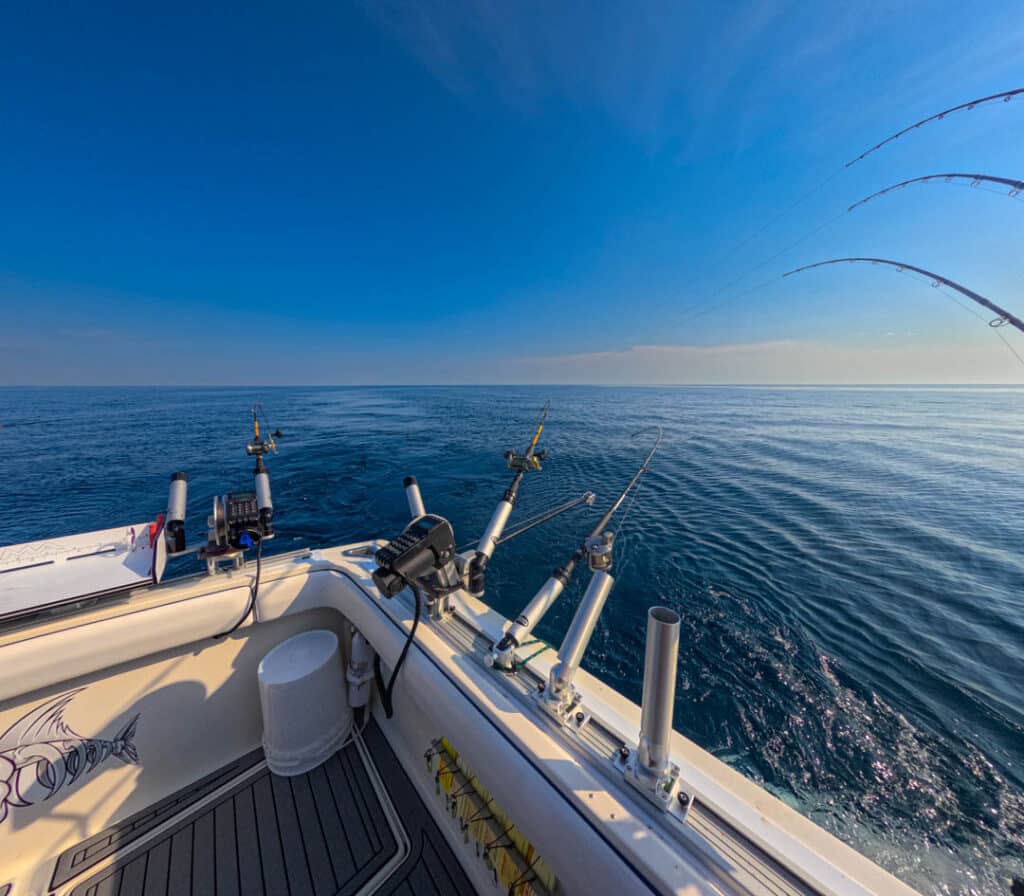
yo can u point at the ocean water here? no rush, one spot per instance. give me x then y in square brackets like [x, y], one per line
[847, 562]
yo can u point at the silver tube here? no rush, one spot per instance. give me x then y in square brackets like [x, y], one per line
[413, 496]
[494, 528]
[660, 660]
[262, 483]
[536, 608]
[576, 639]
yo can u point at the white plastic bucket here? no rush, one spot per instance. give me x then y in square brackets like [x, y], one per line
[306, 715]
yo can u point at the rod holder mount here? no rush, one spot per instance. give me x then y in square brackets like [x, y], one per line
[560, 695]
[649, 767]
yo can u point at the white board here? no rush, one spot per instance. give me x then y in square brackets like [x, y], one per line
[41, 574]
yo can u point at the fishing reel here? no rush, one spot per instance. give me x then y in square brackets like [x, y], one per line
[260, 446]
[599, 551]
[525, 462]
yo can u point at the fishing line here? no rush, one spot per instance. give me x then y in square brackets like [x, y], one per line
[1011, 188]
[726, 301]
[768, 260]
[1006, 96]
[786, 210]
[936, 281]
[969, 310]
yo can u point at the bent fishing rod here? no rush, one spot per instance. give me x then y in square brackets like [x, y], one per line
[1002, 318]
[596, 547]
[521, 463]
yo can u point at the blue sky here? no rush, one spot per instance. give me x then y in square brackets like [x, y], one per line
[499, 192]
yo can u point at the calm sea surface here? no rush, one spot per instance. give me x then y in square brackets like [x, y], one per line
[847, 562]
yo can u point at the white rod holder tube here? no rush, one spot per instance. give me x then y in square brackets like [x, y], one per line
[660, 661]
[576, 639]
[413, 496]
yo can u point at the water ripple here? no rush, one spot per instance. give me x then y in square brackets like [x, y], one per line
[846, 562]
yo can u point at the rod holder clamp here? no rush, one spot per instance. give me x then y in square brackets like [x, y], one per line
[559, 702]
[660, 789]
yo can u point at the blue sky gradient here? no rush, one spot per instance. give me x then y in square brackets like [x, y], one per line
[486, 192]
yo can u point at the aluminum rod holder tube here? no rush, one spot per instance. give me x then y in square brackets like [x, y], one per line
[495, 527]
[504, 650]
[660, 661]
[536, 608]
[415, 499]
[576, 639]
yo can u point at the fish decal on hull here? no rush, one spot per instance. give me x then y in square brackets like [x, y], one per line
[40, 753]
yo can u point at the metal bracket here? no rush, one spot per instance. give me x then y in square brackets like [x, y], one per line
[659, 789]
[559, 706]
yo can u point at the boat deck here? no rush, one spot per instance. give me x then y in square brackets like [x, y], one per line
[353, 824]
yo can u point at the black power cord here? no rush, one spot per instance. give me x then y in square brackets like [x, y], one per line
[254, 589]
[378, 677]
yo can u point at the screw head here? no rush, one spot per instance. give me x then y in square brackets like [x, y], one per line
[579, 718]
[623, 752]
[684, 798]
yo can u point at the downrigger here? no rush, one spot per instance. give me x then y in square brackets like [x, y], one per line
[244, 519]
[424, 558]
[240, 519]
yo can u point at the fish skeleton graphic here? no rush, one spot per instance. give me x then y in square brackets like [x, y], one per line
[40, 753]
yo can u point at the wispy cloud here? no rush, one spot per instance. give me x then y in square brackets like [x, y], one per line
[663, 59]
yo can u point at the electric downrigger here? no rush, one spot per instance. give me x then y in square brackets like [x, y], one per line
[240, 520]
[424, 557]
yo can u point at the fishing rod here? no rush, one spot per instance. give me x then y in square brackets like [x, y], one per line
[1005, 96]
[597, 548]
[521, 463]
[1003, 316]
[1014, 187]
